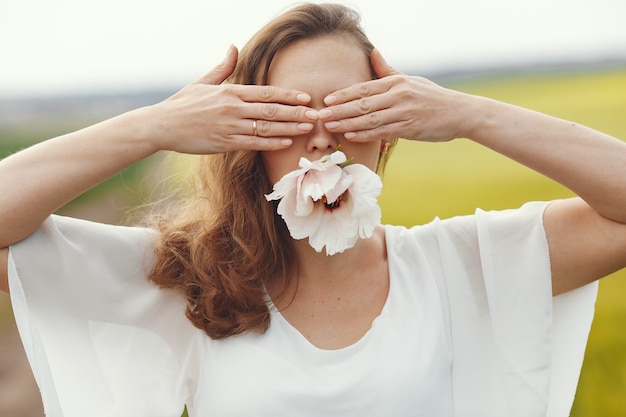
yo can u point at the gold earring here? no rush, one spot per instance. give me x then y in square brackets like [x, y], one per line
[385, 148]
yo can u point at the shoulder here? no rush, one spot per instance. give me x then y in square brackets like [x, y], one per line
[86, 236]
[73, 228]
[66, 246]
[63, 241]
[483, 230]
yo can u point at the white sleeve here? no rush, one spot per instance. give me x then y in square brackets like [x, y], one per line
[518, 351]
[101, 339]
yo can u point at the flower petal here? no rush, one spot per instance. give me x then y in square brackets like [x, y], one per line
[355, 188]
[340, 187]
[364, 191]
[284, 185]
[316, 183]
[302, 227]
[339, 232]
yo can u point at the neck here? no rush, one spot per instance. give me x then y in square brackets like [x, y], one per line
[313, 268]
[318, 273]
[319, 267]
[317, 276]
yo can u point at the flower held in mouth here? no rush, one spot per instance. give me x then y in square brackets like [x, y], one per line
[330, 201]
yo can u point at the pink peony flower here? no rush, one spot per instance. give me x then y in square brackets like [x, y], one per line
[331, 202]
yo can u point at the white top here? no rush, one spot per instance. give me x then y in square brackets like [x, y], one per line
[469, 329]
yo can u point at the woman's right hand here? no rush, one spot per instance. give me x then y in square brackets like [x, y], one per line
[204, 117]
[209, 117]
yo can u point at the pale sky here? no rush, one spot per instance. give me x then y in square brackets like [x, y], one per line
[68, 46]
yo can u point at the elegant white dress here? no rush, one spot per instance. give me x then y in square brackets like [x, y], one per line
[469, 329]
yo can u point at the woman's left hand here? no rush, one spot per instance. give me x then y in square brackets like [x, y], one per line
[586, 236]
[397, 106]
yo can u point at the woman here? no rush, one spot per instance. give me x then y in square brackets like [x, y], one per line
[452, 318]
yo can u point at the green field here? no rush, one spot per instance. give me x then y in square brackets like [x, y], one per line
[428, 180]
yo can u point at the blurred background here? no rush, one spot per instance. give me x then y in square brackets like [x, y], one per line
[68, 64]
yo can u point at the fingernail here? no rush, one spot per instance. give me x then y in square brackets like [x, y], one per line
[305, 126]
[330, 100]
[325, 113]
[332, 125]
[286, 142]
[349, 135]
[311, 114]
[303, 98]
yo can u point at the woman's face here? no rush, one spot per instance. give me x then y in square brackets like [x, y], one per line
[319, 67]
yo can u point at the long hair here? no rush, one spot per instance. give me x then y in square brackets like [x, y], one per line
[226, 244]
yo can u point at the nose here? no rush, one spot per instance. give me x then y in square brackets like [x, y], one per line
[321, 140]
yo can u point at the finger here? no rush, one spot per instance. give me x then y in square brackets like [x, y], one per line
[273, 129]
[223, 70]
[259, 143]
[276, 112]
[367, 121]
[271, 94]
[357, 107]
[357, 91]
[383, 132]
[381, 67]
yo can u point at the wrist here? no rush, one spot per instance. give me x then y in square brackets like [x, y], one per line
[141, 132]
[479, 116]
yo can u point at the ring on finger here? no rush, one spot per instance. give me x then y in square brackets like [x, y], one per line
[255, 132]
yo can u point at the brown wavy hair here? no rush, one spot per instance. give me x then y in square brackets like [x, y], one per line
[225, 244]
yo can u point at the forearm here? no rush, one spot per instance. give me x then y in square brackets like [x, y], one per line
[590, 163]
[37, 181]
